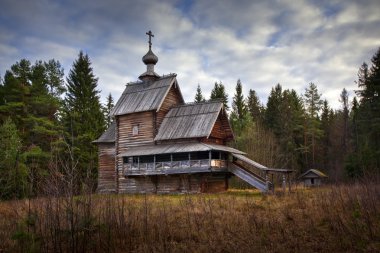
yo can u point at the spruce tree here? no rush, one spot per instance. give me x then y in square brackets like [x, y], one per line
[313, 104]
[83, 118]
[368, 114]
[199, 96]
[219, 93]
[254, 106]
[239, 115]
[272, 112]
[108, 109]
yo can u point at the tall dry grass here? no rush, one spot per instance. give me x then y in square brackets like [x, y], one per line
[332, 219]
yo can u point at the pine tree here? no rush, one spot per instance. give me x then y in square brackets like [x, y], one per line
[83, 118]
[31, 98]
[219, 93]
[109, 107]
[199, 96]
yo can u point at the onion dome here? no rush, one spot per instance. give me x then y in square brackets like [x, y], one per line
[150, 58]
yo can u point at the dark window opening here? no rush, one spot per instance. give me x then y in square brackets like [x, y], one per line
[147, 159]
[180, 156]
[126, 159]
[163, 158]
[135, 159]
[312, 180]
[201, 155]
[215, 155]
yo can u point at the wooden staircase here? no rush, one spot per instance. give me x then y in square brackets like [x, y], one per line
[249, 177]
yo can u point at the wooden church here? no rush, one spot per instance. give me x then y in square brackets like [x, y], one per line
[157, 143]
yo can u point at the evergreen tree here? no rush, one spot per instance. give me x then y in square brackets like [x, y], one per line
[13, 174]
[83, 118]
[345, 115]
[368, 115]
[31, 98]
[254, 106]
[219, 93]
[109, 107]
[272, 112]
[199, 96]
[290, 132]
[239, 116]
[313, 105]
[325, 138]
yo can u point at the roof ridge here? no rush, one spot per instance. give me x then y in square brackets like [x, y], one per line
[190, 114]
[197, 103]
[161, 77]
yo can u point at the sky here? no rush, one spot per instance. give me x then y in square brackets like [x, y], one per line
[262, 43]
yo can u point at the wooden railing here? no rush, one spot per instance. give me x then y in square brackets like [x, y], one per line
[204, 164]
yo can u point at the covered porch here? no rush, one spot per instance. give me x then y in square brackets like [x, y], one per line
[176, 159]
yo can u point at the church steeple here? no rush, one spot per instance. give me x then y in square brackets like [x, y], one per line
[150, 59]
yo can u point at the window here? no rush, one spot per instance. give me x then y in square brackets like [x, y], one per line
[135, 130]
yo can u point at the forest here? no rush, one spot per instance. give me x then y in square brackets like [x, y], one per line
[48, 123]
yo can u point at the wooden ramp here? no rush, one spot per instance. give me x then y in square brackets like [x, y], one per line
[249, 177]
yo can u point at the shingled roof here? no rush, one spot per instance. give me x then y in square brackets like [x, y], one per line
[108, 136]
[189, 121]
[144, 96]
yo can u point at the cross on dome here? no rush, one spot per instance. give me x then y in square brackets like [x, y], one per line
[150, 34]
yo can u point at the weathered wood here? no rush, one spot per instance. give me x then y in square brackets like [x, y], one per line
[106, 174]
[189, 183]
[173, 98]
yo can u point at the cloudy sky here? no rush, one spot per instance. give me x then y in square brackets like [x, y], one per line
[261, 42]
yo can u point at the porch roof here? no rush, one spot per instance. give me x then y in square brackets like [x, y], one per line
[177, 148]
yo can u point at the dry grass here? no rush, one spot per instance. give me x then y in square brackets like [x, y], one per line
[332, 219]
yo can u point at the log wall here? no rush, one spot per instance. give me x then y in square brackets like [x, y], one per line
[125, 138]
[186, 183]
[106, 174]
[173, 98]
[218, 131]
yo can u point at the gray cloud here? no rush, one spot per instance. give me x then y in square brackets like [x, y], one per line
[261, 42]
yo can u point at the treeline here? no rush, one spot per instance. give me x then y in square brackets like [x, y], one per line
[302, 131]
[47, 126]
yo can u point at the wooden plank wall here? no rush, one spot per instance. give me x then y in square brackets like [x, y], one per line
[185, 183]
[125, 139]
[172, 99]
[106, 174]
[218, 130]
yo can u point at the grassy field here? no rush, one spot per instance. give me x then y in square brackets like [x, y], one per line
[331, 219]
